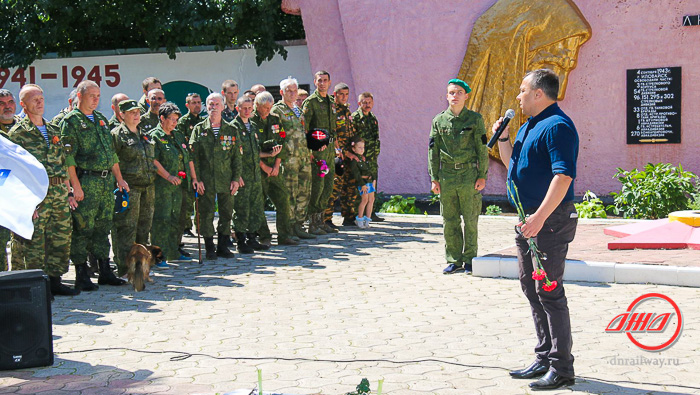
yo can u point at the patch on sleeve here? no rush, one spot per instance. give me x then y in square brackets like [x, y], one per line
[483, 139]
[431, 142]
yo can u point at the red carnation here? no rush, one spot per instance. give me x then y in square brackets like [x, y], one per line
[55, 140]
[550, 287]
[182, 174]
[283, 134]
[539, 275]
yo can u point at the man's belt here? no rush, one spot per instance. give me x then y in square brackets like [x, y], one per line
[56, 180]
[457, 165]
[96, 173]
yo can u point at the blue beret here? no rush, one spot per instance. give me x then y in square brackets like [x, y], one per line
[461, 83]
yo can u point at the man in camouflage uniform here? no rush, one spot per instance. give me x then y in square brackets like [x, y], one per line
[229, 90]
[72, 103]
[136, 154]
[148, 85]
[7, 120]
[185, 125]
[116, 117]
[344, 187]
[367, 127]
[297, 166]
[457, 163]
[93, 167]
[217, 160]
[49, 247]
[271, 135]
[249, 202]
[319, 112]
[150, 119]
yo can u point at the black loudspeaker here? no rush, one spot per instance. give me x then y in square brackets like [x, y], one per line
[25, 320]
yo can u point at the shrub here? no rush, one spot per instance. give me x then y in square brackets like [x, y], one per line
[654, 192]
[400, 205]
[494, 210]
[591, 207]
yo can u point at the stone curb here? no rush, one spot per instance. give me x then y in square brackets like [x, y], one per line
[599, 272]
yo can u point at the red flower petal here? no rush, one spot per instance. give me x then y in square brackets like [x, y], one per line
[182, 174]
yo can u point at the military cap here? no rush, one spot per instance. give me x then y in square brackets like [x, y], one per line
[128, 105]
[458, 82]
[121, 200]
[317, 139]
[268, 146]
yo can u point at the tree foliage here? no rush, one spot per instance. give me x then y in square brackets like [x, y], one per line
[30, 29]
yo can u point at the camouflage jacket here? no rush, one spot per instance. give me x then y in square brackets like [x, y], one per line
[136, 152]
[270, 133]
[228, 114]
[149, 121]
[5, 129]
[172, 153]
[88, 144]
[59, 117]
[345, 129]
[114, 122]
[319, 113]
[250, 151]
[295, 132]
[143, 104]
[359, 169]
[217, 160]
[457, 140]
[187, 123]
[51, 155]
[367, 127]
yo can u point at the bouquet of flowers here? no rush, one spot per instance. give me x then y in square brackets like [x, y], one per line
[322, 168]
[538, 256]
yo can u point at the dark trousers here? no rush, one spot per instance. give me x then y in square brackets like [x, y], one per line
[549, 309]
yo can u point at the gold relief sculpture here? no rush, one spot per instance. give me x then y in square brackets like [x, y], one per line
[510, 39]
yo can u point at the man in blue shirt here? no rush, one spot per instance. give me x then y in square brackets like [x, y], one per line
[543, 166]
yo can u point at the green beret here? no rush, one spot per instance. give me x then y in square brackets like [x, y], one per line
[128, 105]
[461, 83]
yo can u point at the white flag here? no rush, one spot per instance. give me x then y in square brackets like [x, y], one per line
[23, 185]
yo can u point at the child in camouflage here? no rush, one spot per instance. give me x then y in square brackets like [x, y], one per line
[361, 173]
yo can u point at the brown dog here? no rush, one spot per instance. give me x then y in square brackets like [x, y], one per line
[139, 262]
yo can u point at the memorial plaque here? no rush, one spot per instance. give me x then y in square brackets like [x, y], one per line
[654, 105]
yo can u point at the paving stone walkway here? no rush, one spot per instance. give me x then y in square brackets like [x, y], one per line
[319, 317]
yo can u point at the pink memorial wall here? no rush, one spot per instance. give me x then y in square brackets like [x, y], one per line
[405, 52]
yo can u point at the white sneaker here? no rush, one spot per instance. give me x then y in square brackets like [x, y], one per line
[366, 220]
[360, 222]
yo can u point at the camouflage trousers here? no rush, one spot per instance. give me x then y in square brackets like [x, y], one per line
[133, 225]
[187, 207]
[345, 189]
[4, 239]
[276, 190]
[250, 207]
[297, 178]
[50, 246]
[321, 188]
[459, 200]
[165, 231]
[92, 220]
[208, 203]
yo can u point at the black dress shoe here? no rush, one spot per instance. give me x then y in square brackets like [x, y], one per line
[552, 381]
[377, 218]
[534, 370]
[451, 268]
[349, 222]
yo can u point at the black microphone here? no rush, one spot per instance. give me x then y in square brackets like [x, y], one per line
[509, 115]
